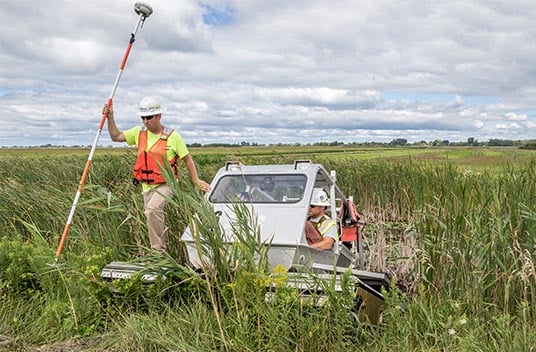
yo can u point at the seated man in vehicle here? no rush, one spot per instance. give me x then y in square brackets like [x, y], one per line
[264, 192]
[320, 230]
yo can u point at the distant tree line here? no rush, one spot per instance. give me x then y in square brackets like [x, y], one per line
[397, 142]
[524, 144]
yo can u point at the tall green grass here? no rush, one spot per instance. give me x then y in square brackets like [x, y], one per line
[459, 243]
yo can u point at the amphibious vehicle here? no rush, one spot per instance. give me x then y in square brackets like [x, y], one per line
[278, 196]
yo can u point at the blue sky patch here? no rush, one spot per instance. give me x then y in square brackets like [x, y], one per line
[218, 16]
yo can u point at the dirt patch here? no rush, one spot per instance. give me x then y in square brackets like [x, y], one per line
[8, 343]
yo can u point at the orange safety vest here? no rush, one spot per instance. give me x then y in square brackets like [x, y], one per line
[147, 167]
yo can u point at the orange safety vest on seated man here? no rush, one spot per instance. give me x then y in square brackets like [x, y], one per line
[148, 163]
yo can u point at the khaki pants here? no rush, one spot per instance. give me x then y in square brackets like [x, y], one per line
[154, 202]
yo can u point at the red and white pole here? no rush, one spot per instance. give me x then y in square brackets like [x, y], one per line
[143, 10]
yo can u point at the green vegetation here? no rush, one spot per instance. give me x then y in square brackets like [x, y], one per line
[454, 226]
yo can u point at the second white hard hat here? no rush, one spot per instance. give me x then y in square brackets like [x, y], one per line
[320, 198]
[149, 106]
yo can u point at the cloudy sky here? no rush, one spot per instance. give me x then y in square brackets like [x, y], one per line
[270, 71]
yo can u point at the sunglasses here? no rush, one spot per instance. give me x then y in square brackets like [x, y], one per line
[313, 206]
[147, 118]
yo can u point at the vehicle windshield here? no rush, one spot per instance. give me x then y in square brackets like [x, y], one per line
[267, 188]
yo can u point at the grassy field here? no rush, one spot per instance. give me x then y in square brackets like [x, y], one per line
[470, 156]
[455, 227]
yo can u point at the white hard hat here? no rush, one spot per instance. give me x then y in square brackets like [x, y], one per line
[320, 198]
[149, 106]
